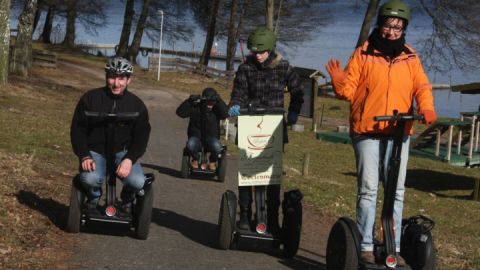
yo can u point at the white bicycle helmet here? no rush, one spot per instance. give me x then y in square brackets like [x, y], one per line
[118, 66]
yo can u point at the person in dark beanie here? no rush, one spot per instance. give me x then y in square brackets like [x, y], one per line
[216, 110]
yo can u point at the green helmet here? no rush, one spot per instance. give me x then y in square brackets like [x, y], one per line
[262, 39]
[395, 8]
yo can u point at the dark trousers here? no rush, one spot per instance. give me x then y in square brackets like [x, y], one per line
[273, 199]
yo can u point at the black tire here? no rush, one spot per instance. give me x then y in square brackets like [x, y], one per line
[341, 248]
[417, 247]
[75, 208]
[226, 220]
[143, 213]
[222, 169]
[291, 231]
[184, 170]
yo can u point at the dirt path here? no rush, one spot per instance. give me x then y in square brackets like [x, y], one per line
[183, 232]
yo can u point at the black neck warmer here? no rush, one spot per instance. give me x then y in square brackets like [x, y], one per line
[390, 48]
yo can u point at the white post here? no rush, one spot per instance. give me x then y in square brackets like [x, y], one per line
[160, 46]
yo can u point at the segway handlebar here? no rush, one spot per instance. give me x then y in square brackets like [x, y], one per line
[398, 117]
[253, 110]
[123, 115]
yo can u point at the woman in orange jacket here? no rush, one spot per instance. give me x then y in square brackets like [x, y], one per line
[382, 75]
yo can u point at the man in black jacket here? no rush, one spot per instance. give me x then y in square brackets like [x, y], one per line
[261, 81]
[216, 111]
[88, 136]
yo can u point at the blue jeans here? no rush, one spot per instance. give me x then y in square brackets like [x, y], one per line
[371, 154]
[194, 145]
[93, 181]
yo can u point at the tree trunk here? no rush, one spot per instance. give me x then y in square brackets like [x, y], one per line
[4, 40]
[231, 41]
[122, 49]
[367, 22]
[210, 33]
[47, 28]
[269, 8]
[137, 38]
[38, 13]
[69, 40]
[233, 35]
[23, 45]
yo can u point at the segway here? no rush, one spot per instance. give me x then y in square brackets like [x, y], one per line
[186, 169]
[343, 247]
[140, 218]
[260, 142]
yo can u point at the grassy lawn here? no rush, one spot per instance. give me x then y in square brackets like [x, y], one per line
[37, 165]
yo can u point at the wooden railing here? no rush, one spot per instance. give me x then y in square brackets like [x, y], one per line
[179, 64]
[45, 58]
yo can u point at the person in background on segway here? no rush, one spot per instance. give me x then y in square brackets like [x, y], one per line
[261, 80]
[382, 75]
[88, 139]
[216, 110]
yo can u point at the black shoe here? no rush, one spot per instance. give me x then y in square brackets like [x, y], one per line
[244, 222]
[126, 209]
[91, 206]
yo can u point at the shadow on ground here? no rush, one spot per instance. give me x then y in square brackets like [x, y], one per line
[174, 173]
[55, 211]
[201, 232]
[435, 182]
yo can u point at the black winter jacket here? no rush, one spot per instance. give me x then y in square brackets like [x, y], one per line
[88, 134]
[264, 84]
[190, 109]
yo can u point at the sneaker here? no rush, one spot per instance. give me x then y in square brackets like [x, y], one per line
[367, 257]
[194, 164]
[400, 260]
[212, 166]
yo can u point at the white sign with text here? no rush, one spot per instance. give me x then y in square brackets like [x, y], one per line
[260, 143]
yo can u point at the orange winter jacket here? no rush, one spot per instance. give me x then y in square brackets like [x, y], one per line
[376, 85]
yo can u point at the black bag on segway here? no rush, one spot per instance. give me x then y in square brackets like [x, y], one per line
[292, 222]
[292, 204]
[417, 243]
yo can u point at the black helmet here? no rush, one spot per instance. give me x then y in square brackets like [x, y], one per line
[210, 94]
[118, 66]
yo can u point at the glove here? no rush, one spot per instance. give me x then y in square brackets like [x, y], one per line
[428, 117]
[334, 68]
[234, 111]
[292, 118]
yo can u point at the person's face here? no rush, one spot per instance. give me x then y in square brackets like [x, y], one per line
[261, 56]
[117, 83]
[392, 29]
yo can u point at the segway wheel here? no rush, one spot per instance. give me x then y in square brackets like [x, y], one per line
[184, 170]
[341, 249]
[75, 209]
[143, 213]
[291, 230]
[226, 220]
[222, 169]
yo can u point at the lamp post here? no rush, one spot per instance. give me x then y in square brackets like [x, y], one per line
[160, 46]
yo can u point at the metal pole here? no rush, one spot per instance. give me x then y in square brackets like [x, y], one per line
[160, 46]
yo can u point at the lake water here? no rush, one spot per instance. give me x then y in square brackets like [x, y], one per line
[337, 39]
